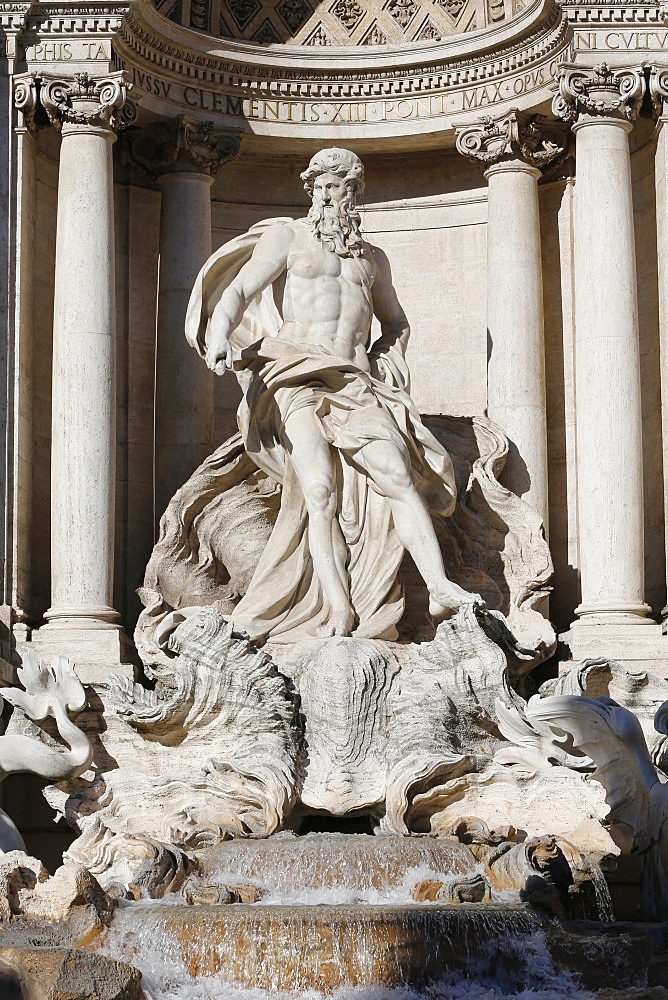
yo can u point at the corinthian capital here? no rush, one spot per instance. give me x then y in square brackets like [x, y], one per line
[183, 144]
[533, 139]
[85, 100]
[598, 92]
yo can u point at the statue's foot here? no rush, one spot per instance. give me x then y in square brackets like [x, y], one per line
[446, 601]
[337, 625]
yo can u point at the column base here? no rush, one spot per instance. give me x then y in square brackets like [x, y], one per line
[95, 652]
[77, 619]
[641, 645]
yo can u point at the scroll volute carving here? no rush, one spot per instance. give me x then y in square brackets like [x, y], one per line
[183, 144]
[600, 92]
[532, 139]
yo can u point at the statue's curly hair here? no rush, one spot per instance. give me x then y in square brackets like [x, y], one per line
[341, 162]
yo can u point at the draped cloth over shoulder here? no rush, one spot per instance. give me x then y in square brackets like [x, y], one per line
[284, 600]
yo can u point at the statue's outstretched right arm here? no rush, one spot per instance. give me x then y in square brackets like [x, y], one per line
[268, 261]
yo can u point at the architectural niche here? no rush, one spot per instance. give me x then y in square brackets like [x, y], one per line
[342, 22]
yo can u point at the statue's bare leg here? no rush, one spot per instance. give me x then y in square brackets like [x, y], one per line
[312, 461]
[386, 465]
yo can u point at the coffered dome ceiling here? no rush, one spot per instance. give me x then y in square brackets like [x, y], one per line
[337, 22]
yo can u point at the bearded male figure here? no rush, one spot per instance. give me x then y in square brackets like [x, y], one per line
[326, 414]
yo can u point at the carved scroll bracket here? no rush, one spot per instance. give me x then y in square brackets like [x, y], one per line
[531, 139]
[658, 89]
[598, 93]
[183, 145]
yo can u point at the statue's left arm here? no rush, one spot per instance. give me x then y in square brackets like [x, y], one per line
[388, 352]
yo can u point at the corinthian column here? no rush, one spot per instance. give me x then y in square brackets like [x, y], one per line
[182, 157]
[83, 451]
[513, 149]
[601, 105]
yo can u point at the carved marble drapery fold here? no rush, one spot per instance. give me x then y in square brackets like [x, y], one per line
[182, 156]
[601, 105]
[513, 149]
[86, 111]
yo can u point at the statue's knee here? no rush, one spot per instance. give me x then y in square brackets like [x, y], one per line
[319, 496]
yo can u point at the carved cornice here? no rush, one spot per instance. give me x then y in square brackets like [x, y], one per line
[298, 73]
[600, 92]
[595, 13]
[532, 139]
[184, 144]
[84, 20]
[14, 16]
[81, 101]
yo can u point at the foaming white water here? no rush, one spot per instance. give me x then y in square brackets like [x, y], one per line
[500, 967]
[286, 895]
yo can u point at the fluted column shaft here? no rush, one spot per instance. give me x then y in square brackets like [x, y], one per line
[513, 149]
[602, 105]
[83, 450]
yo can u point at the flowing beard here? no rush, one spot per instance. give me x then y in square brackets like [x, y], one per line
[337, 228]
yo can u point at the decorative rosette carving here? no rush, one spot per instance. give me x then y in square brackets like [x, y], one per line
[87, 101]
[533, 139]
[183, 144]
[599, 92]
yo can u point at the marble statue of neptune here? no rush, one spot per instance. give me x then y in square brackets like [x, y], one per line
[326, 413]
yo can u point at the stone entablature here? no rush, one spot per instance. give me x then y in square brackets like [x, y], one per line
[386, 91]
[333, 92]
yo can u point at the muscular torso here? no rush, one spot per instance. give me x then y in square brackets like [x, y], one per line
[327, 298]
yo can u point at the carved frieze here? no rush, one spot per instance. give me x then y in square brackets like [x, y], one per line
[598, 92]
[532, 139]
[182, 144]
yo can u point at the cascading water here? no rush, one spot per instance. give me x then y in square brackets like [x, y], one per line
[337, 918]
[471, 953]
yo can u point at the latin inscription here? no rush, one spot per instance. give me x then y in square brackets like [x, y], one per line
[345, 112]
[620, 41]
[76, 50]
